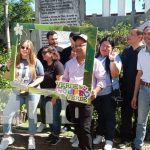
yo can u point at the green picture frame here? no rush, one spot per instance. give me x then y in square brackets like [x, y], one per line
[91, 32]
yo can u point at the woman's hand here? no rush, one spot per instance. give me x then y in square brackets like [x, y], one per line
[113, 54]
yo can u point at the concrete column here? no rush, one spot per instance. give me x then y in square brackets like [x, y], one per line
[147, 5]
[121, 7]
[106, 8]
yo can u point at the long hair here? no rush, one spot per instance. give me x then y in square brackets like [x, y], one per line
[31, 59]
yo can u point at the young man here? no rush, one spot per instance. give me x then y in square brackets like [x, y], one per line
[129, 62]
[74, 73]
[142, 86]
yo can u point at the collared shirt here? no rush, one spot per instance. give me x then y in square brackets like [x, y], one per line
[114, 84]
[143, 64]
[74, 73]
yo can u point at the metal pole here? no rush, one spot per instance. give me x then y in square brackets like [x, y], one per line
[7, 24]
[133, 13]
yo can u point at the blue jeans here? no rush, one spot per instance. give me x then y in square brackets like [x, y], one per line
[55, 126]
[143, 110]
[13, 105]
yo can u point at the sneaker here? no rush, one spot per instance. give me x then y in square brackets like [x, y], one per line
[108, 145]
[75, 143]
[31, 143]
[72, 140]
[55, 141]
[41, 127]
[125, 144]
[50, 138]
[6, 141]
[64, 129]
[98, 139]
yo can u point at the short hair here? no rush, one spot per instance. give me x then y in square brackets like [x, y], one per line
[138, 30]
[49, 33]
[146, 28]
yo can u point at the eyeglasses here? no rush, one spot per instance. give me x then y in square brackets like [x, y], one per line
[23, 47]
[80, 46]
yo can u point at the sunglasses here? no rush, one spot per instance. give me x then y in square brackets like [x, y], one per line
[23, 47]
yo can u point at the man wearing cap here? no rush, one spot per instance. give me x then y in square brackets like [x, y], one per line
[74, 73]
[142, 86]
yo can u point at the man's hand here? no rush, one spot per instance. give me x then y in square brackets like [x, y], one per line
[93, 94]
[134, 103]
[53, 100]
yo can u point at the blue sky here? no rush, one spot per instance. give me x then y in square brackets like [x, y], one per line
[95, 6]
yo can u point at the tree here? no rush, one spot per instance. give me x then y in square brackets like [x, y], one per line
[19, 11]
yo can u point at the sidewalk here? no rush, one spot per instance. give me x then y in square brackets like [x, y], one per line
[21, 142]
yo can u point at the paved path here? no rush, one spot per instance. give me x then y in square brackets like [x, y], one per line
[21, 141]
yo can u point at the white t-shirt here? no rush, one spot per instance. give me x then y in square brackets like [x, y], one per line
[143, 64]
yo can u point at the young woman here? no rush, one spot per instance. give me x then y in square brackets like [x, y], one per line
[104, 104]
[53, 72]
[30, 71]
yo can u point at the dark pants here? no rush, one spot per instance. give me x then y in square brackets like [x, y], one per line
[128, 126]
[105, 107]
[83, 124]
[56, 124]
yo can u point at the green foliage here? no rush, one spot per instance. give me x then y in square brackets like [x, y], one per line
[118, 33]
[19, 11]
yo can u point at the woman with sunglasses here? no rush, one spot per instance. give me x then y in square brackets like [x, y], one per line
[53, 71]
[29, 70]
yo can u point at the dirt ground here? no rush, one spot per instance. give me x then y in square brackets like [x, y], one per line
[21, 142]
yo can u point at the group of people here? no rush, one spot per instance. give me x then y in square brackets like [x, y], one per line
[54, 63]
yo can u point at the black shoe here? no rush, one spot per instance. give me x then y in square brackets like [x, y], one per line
[49, 138]
[124, 144]
[55, 141]
[134, 148]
